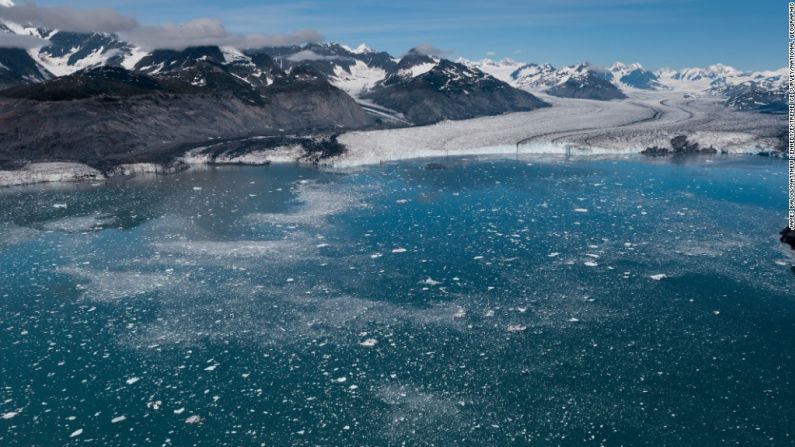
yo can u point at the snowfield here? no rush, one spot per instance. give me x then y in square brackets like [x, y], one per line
[574, 127]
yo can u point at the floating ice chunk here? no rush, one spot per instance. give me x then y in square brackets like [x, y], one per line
[118, 419]
[399, 250]
[658, 277]
[376, 255]
[353, 387]
[431, 282]
[179, 410]
[580, 210]
[245, 375]
[341, 379]
[59, 205]
[9, 415]
[369, 343]
[132, 380]
[553, 255]
[516, 328]
[460, 313]
[76, 433]
[193, 420]
[197, 188]
[489, 313]
[211, 368]
[574, 320]
[402, 201]
[716, 312]
[591, 264]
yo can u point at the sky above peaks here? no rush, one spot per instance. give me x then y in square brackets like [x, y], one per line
[677, 33]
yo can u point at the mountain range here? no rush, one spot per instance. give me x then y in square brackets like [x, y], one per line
[97, 99]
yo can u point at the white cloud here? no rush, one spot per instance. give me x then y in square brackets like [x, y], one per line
[309, 55]
[70, 19]
[210, 32]
[430, 50]
[8, 40]
[170, 36]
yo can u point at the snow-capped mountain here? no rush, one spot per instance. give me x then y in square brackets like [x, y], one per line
[586, 81]
[536, 76]
[17, 67]
[427, 90]
[65, 52]
[502, 70]
[635, 76]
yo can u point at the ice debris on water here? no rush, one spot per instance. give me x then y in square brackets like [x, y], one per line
[369, 343]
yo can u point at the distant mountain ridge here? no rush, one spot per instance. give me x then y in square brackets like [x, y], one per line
[759, 91]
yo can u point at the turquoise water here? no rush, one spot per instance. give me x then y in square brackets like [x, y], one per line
[496, 302]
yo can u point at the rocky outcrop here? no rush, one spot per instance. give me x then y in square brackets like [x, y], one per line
[680, 145]
[788, 237]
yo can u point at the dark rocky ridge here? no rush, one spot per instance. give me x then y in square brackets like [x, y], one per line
[450, 91]
[788, 237]
[108, 115]
[679, 146]
[18, 68]
[588, 85]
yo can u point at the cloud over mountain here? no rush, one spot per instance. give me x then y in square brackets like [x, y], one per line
[197, 32]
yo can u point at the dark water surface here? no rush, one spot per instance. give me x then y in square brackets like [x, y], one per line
[495, 302]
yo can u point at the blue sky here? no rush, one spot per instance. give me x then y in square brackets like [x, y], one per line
[748, 35]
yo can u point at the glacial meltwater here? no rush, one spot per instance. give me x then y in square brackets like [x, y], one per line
[493, 302]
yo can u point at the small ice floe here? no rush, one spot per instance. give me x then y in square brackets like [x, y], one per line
[477, 258]
[460, 313]
[341, 379]
[154, 405]
[574, 320]
[193, 420]
[590, 264]
[211, 367]
[399, 250]
[132, 380]
[659, 276]
[369, 343]
[489, 313]
[516, 328]
[431, 282]
[376, 255]
[59, 205]
[76, 433]
[9, 415]
[245, 375]
[782, 263]
[179, 410]
[353, 387]
[402, 201]
[716, 312]
[197, 188]
[580, 210]
[118, 419]
[553, 255]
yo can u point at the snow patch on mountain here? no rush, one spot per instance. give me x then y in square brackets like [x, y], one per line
[357, 79]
